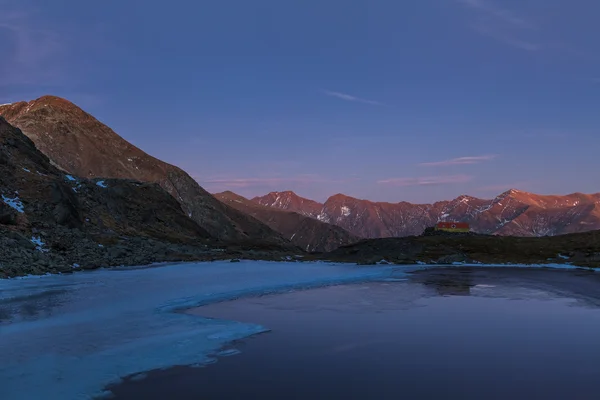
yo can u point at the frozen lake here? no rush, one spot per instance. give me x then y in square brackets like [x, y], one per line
[68, 337]
[458, 334]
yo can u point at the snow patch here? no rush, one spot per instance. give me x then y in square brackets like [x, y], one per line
[26, 170]
[101, 184]
[228, 353]
[39, 244]
[70, 178]
[14, 202]
[323, 217]
[346, 211]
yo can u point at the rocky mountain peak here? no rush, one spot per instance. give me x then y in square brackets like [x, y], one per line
[79, 144]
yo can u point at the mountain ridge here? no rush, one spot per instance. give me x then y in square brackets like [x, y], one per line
[51, 221]
[79, 144]
[524, 214]
[307, 233]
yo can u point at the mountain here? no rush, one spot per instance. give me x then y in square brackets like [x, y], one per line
[290, 201]
[513, 212]
[52, 222]
[307, 233]
[79, 144]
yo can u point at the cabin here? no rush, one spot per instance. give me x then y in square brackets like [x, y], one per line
[453, 227]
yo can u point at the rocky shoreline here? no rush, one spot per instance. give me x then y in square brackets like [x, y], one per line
[20, 255]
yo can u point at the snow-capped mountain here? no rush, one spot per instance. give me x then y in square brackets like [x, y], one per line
[513, 212]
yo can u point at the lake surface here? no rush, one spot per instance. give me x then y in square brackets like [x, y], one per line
[447, 333]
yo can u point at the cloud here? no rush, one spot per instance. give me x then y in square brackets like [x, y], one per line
[502, 25]
[426, 181]
[349, 97]
[498, 188]
[278, 182]
[460, 161]
[545, 135]
[31, 54]
[506, 37]
[492, 10]
[250, 182]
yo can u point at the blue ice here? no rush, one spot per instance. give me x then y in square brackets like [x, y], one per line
[68, 336]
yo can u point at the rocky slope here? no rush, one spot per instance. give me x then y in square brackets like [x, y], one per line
[79, 144]
[305, 232]
[51, 221]
[511, 213]
[580, 249]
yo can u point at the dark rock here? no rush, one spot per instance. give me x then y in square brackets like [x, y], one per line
[453, 258]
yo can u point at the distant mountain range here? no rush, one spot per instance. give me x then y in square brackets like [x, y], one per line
[308, 233]
[513, 212]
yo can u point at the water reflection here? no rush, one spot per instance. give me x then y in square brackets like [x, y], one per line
[447, 283]
[448, 333]
[582, 287]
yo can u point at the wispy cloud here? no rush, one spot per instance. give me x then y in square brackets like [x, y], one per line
[505, 37]
[349, 97]
[426, 181]
[502, 24]
[493, 10]
[497, 188]
[545, 135]
[250, 182]
[460, 161]
[34, 52]
[276, 182]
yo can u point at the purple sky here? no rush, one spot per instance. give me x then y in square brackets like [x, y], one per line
[379, 99]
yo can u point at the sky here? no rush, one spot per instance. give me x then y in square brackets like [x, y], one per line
[384, 100]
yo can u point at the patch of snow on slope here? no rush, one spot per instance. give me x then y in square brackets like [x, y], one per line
[14, 202]
[39, 245]
[345, 211]
[26, 170]
[323, 217]
[101, 184]
[94, 327]
[70, 178]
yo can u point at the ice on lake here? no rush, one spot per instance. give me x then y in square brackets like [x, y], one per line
[68, 336]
